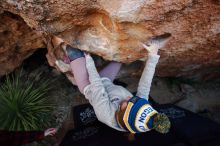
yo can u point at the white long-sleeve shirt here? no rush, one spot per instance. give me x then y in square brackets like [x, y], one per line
[105, 97]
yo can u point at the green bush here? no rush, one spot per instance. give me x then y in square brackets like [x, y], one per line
[24, 104]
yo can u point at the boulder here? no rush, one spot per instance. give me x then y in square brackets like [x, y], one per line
[114, 30]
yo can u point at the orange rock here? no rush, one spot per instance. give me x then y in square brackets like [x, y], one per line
[114, 29]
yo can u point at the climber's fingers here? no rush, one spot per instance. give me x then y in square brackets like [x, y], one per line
[145, 47]
[86, 54]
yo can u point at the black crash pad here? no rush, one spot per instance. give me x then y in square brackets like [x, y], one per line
[188, 129]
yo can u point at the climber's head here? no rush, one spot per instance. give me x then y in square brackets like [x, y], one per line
[137, 115]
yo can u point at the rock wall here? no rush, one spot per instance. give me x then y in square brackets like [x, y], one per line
[114, 29]
[17, 42]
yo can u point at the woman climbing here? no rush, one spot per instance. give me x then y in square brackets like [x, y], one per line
[114, 105]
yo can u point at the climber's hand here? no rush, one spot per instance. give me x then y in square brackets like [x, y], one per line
[150, 50]
[156, 43]
[87, 54]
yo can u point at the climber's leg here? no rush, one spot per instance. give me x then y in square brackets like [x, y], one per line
[78, 67]
[111, 70]
[77, 62]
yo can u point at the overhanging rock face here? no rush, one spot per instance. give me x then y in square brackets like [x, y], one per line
[114, 29]
[17, 42]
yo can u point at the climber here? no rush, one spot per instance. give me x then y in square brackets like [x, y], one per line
[114, 105]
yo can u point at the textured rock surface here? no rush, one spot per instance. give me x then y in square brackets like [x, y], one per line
[17, 42]
[114, 29]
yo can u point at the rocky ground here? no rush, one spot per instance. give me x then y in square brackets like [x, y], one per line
[201, 97]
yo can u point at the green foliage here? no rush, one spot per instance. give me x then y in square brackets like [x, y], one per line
[24, 104]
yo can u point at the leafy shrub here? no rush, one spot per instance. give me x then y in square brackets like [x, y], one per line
[24, 104]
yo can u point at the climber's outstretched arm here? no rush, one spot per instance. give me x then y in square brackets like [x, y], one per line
[147, 76]
[152, 46]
